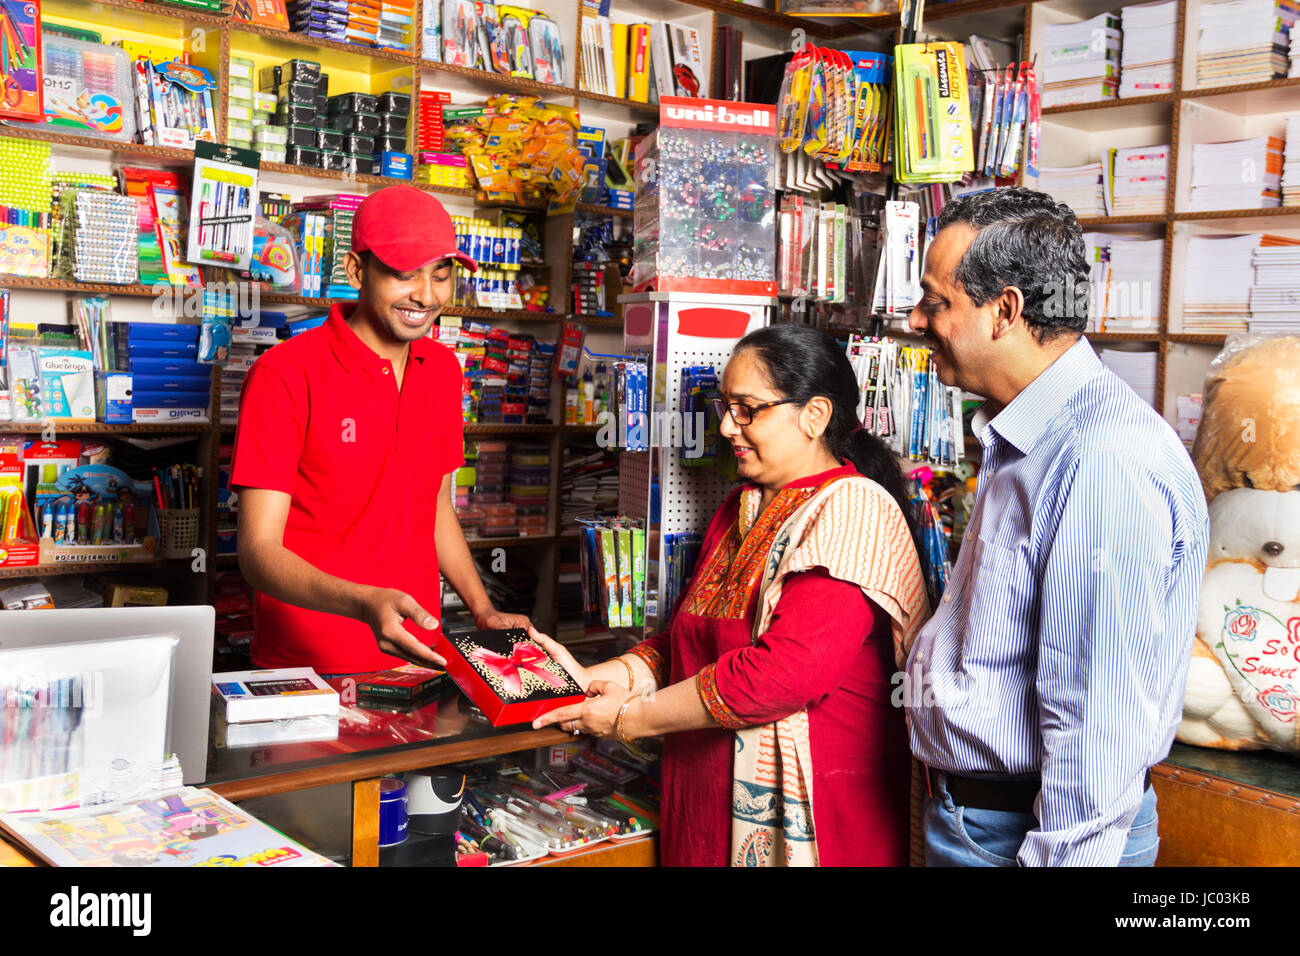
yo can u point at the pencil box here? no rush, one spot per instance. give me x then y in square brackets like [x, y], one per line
[299, 135]
[303, 156]
[332, 139]
[363, 144]
[166, 383]
[360, 163]
[395, 103]
[334, 159]
[177, 399]
[295, 114]
[87, 88]
[393, 124]
[353, 103]
[390, 144]
[357, 122]
[144, 365]
[160, 331]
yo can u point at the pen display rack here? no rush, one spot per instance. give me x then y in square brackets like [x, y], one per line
[180, 532]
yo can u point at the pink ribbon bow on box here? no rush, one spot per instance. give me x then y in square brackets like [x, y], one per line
[526, 657]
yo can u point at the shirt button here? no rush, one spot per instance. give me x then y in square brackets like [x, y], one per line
[385, 370]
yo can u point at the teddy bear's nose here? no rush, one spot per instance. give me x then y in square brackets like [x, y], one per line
[1273, 548]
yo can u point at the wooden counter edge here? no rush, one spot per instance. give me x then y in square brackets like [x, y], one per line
[1207, 820]
[350, 769]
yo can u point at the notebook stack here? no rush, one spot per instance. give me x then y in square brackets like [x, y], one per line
[1244, 41]
[1275, 296]
[1139, 180]
[1133, 286]
[1243, 174]
[1082, 61]
[1136, 368]
[1147, 60]
[1079, 187]
[1216, 289]
[1291, 161]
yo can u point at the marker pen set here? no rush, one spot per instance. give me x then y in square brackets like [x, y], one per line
[173, 103]
[85, 523]
[223, 205]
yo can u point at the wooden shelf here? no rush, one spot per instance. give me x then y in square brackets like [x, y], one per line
[1107, 104]
[130, 12]
[1152, 336]
[161, 155]
[742, 11]
[604, 210]
[78, 567]
[1087, 221]
[474, 429]
[1198, 338]
[514, 541]
[647, 110]
[317, 44]
[96, 428]
[1267, 96]
[518, 83]
[1210, 215]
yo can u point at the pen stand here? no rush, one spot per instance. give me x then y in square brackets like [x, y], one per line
[180, 532]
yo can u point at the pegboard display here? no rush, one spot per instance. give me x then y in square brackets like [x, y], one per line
[679, 331]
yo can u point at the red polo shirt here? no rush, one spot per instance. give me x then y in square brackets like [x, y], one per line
[321, 419]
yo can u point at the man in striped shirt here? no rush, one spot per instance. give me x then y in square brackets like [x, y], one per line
[1051, 677]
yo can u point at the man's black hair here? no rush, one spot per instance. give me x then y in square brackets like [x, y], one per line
[1028, 240]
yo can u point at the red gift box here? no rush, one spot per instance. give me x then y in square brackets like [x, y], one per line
[508, 676]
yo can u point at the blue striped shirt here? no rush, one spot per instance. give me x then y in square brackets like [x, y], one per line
[1062, 643]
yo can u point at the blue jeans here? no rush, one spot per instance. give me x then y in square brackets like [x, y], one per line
[968, 836]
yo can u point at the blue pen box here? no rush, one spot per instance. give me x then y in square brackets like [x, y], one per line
[395, 165]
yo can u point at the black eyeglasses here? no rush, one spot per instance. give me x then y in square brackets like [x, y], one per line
[741, 413]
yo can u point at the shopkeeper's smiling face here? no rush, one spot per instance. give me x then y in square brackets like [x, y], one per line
[402, 305]
[770, 445]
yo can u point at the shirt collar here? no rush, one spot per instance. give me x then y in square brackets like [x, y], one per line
[352, 353]
[1029, 413]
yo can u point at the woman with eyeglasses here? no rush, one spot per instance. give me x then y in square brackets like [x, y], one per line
[773, 681]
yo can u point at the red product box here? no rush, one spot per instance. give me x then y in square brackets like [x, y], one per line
[507, 675]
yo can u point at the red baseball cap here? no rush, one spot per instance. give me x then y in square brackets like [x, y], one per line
[406, 228]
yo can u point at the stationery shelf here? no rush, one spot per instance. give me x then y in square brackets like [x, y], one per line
[78, 567]
[513, 541]
[516, 84]
[604, 210]
[1087, 222]
[648, 110]
[331, 54]
[1282, 212]
[1197, 339]
[1108, 104]
[97, 428]
[484, 429]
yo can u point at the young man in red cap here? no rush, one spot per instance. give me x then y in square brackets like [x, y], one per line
[347, 437]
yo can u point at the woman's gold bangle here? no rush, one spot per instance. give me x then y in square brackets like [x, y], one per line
[618, 721]
[631, 677]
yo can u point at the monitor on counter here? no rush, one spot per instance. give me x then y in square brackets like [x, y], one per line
[191, 679]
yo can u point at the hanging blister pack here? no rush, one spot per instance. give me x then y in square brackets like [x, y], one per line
[547, 50]
[459, 32]
[932, 114]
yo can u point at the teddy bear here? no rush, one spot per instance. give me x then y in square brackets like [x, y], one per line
[1244, 678]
